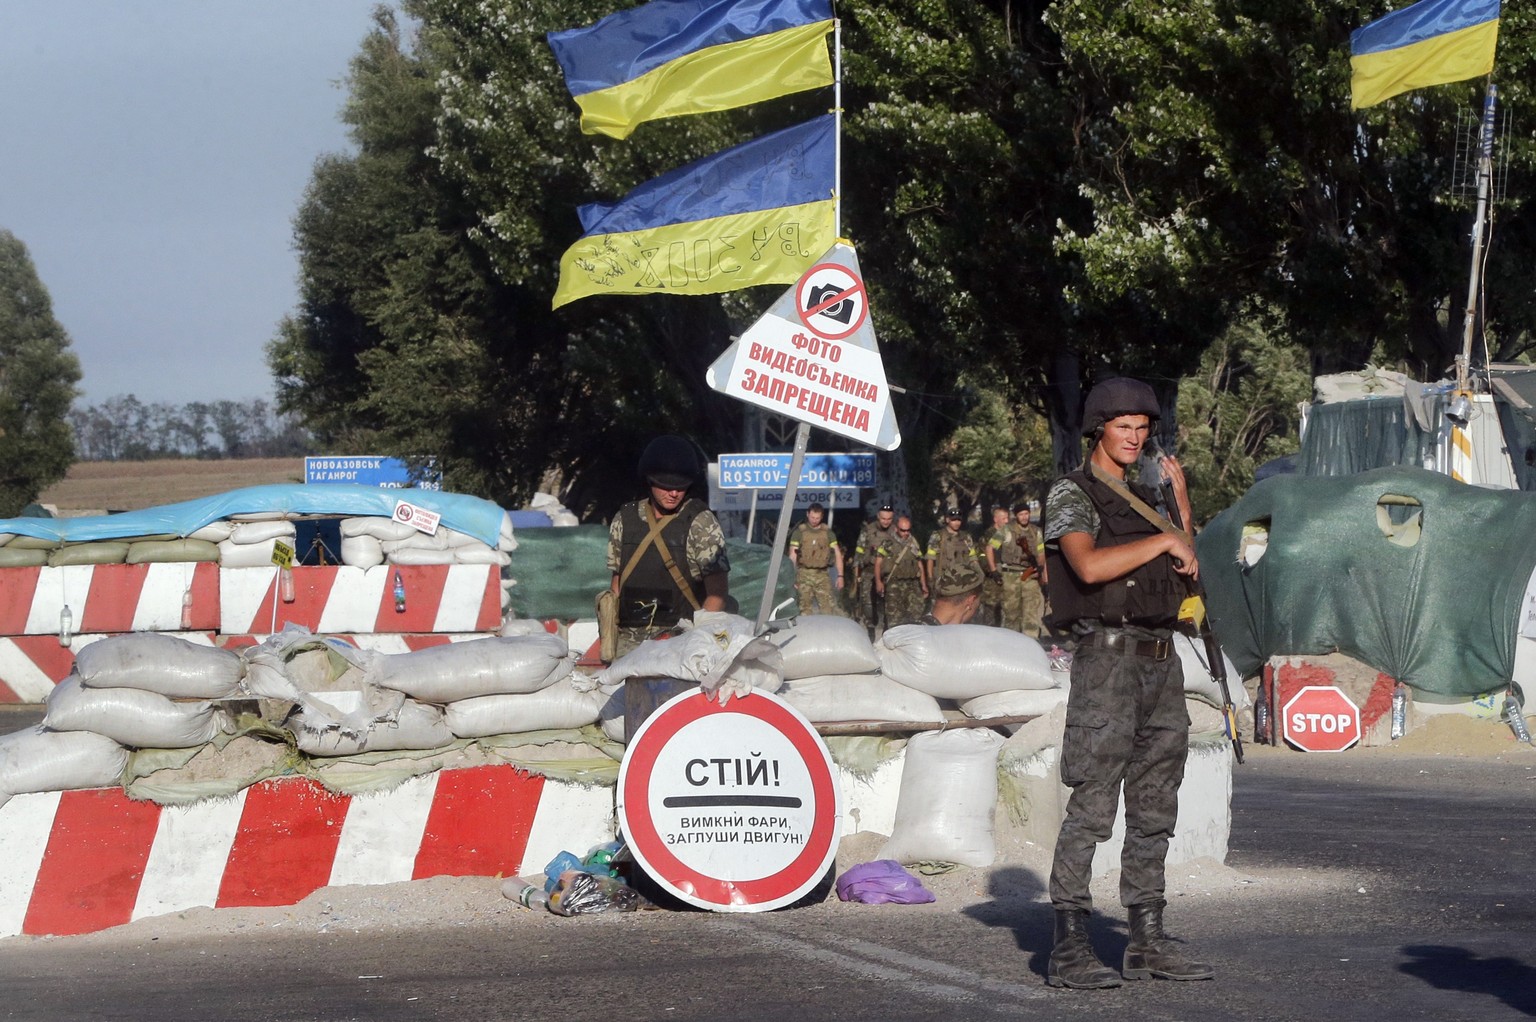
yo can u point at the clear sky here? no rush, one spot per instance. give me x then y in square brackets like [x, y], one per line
[152, 156]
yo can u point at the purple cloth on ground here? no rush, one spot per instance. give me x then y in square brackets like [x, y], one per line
[880, 882]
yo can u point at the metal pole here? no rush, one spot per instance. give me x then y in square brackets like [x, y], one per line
[837, 132]
[1484, 181]
[781, 536]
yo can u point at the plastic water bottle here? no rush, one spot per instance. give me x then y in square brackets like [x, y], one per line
[186, 610]
[1261, 721]
[525, 894]
[1399, 711]
[1515, 714]
[399, 594]
[66, 625]
[287, 591]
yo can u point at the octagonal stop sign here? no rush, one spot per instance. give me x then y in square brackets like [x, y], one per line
[1320, 718]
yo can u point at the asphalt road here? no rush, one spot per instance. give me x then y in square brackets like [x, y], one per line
[1362, 888]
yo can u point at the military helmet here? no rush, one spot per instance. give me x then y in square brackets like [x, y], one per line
[671, 461]
[1114, 398]
[959, 579]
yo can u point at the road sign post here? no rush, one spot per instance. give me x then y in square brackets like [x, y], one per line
[1320, 718]
[732, 808]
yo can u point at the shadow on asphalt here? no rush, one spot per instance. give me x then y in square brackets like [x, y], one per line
[1016, 906]
[1456, 968]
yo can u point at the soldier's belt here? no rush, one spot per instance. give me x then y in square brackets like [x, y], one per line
[813, 567]
[1152, 649]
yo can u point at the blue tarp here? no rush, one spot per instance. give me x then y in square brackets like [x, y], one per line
[461, 512]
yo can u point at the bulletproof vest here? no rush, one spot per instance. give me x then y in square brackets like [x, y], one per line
[951, 548]
[1149, 596]
[901, 557]
[1009, 551]
[650, 596]
[872, 539]
[815, 547]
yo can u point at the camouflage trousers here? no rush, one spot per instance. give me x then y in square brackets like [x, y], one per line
[1126, 725]
[991, 604]
[904, 601]
[869, 606]
[815, 588]
[1023, 604]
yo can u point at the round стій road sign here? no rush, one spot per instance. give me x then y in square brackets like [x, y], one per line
[734, 808]
[1320, 718]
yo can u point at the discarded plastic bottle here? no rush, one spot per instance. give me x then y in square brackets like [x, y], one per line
[1399, 711]
[186, 610]
[525, 894]
[287, 585]
[1515, 714]
[399, 594]
[66, 625]
[1261, 721]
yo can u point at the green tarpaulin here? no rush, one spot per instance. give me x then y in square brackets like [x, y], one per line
[1408, 571]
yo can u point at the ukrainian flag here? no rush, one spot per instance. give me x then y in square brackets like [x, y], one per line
[672, 57]
[757, 213]
[1428, 43]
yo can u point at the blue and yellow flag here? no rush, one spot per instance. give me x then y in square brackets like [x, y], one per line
[672, 57]
[1429, 43]
[757, 213]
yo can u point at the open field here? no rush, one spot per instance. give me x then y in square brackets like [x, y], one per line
[97, 486]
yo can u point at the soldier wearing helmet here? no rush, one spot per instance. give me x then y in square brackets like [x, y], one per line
[1116, 583]
[956, 595]
[666, 552]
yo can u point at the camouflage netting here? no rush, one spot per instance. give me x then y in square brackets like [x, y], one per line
[1411, 572]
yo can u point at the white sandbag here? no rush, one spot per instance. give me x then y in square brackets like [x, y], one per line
[260, 532]
[361, 551]
[414, 555]
[214, 532]
[171, 551]
[506, 542]
[378, 528]
[417, 540]
[478, 667]
[963, 661]
[821, 644]
[246, 555]
[611, 715]
[721, 652]
[947, 799]
[561, 705]
[163, 664]
[1197, 676]
[414, 727]
[37, 759]
[131, 716]
[847, 697]
[564, 520]
[1017, 703]
[480, 554]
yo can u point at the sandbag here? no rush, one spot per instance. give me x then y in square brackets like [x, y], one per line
[163, 664]
[13, 556]
[374, 526]
[247, 555]
[415, 555]
[33, 543]
[104, 552]
[721, 652]
[415, 727]
[1197, 676]
[6, 537]
[948, 796]
[817, 645]
[361, 551]
[214, 532]
[478, 667]
[246, 533]
[1016, 703]
[171, 550]
[131, 716]
[561, 705]
[37, 759]
[963, 661]
[415, 539]
[480, 554]
[848, 697]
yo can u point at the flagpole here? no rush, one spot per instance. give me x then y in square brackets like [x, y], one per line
[837, 127]
[1474, 283]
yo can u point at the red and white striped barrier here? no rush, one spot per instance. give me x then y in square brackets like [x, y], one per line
[110, 598]
[30, 665]
[78, 861]
[328, 600]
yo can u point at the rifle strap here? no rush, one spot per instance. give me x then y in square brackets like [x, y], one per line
[652, 538]
[1138, 505]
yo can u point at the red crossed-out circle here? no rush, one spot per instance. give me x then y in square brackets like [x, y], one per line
[646, 842]
[849, 287]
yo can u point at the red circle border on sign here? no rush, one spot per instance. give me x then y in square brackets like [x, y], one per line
[858, 286]
[645, 841]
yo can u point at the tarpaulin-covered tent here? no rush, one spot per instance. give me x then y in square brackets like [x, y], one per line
[1406, 570]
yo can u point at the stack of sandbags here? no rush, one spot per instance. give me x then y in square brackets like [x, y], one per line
[559, 515]
[25, 551]
[250, 544]
[369, 541]
[832, 673]
[989, 672]
[147, 690]
[37, 759]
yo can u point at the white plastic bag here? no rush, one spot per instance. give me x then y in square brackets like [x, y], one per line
[963, 661]
[817, 645]
[948, 796]
[478, 667]
[161, 663]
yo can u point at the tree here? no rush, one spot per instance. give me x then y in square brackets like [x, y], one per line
[38, 374]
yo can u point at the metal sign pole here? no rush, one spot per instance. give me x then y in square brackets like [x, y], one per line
[781, 536]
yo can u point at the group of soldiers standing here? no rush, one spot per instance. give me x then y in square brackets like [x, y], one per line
[894, 576]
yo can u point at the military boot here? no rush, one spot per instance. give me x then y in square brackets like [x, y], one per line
[1073, 963]
[1152, 952]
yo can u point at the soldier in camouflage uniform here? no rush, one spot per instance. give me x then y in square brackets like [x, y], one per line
[869, 605]
[812, 550]
[899, 576]
[1116, 582]
[1016, 556]
[666, 552]
[948, 546]
[992, 588]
